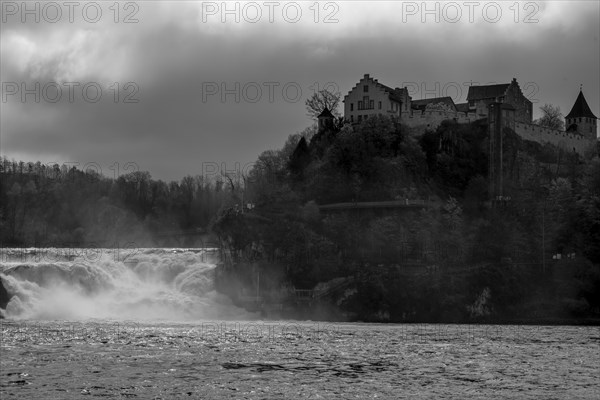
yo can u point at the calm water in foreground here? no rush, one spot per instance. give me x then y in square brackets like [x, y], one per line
[290, 360]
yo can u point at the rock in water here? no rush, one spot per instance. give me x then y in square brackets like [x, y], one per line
[4, 295]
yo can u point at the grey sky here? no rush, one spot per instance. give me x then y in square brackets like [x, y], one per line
[178, 51]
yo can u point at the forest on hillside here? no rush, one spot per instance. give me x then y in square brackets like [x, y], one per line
[537, 254]
[61, 206]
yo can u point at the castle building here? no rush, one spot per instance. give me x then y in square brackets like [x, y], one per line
[325, 120]
[500, 116]
[581, 119]
[369, 97]
[506, 93]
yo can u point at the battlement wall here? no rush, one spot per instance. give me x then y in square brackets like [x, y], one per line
[433, 118]
[557, 137]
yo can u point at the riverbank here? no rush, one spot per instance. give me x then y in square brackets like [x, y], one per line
[368, 298]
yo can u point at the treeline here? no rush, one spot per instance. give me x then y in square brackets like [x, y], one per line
[60, 205]
[535, 254]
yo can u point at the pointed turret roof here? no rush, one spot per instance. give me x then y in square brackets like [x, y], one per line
[580, 108]
[326, 113]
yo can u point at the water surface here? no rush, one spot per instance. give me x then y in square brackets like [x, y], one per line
[292, 360]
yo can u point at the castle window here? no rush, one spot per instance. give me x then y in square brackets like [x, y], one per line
[360, 105]
[366, 88]
[366, 117]
[380, 105]
[579, 119]
[352, 118]
[360, 118]
[351, 106]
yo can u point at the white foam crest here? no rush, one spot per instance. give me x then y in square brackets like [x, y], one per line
[152, 284]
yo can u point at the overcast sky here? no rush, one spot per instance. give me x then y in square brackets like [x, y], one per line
[175, 58]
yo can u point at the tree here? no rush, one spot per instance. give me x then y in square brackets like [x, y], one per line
[318, 101]
[551, 117]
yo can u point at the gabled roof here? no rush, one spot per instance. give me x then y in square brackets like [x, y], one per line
[487, 91]
[462, 107]
[580, 108]
[396, 94]
[422, 104]
[325, 113]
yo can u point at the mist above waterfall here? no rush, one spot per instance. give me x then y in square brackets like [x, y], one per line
[146, 284]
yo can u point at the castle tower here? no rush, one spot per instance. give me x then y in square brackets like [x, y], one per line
[581, 119]
[500, 117]
[325, 120]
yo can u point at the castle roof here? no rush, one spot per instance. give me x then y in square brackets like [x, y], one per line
[580, 108]
[325, 113]
[423, 103]
[486, 91]
[396, 94]
[462, 107]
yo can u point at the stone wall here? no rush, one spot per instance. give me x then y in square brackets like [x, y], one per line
[523, 107]
[431, 119]
[557, 137]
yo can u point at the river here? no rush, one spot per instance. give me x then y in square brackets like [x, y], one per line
[102, 326]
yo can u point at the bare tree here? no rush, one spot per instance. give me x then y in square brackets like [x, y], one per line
[321, 99]
[551, 117]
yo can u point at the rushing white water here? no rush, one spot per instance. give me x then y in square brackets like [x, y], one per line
[144, 284]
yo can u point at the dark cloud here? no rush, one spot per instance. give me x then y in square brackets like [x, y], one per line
[172, 58]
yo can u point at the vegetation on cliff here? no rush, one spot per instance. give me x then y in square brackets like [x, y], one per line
[459, 258]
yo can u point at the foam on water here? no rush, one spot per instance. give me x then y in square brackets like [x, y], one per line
[166, 284]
